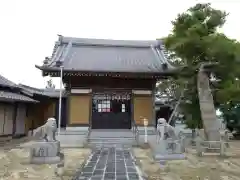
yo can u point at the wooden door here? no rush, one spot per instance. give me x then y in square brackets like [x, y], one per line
[20, 119]
[8, 126]
[111, 111]
[2, 118]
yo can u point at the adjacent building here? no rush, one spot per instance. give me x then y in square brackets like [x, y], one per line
[13, 109]
[24, 108]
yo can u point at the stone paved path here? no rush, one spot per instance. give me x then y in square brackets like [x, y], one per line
[110, 163]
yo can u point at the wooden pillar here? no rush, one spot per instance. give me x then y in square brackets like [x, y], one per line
[14, 119]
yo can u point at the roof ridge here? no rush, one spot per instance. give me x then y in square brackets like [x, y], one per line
[109, 42]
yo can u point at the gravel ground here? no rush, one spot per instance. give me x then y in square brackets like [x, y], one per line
[210, 166]
[14, 163]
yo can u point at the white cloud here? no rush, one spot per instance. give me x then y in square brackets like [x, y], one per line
[29, 27]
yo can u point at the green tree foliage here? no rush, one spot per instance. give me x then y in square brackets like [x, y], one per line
[232, 115]
[195, 40]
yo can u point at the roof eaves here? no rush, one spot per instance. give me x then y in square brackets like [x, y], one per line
[157, 58]
[164, 59]
[10, 96]
[44, 92]
[159, 73]
[65, 52]
[26, 92]
[29, 88]
[57, 55]
[60, 53]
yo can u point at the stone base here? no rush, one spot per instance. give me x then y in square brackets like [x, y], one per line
[45, 160]
[161, 152]
[159, 157]
[45, 152]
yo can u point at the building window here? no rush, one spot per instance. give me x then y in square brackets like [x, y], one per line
[123, 108]
[104, 106]
[114, 102]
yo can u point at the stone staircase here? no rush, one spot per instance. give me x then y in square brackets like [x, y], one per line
[110, 137]
[151, 130]
[75, 138]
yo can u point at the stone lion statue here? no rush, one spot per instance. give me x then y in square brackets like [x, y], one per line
[165, 130]
[47, 131]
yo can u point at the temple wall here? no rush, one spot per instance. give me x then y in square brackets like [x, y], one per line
[79, 106]
[38, 113]
[142, 107]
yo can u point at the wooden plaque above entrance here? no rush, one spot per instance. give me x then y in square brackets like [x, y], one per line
[81, 91]
[143, 92]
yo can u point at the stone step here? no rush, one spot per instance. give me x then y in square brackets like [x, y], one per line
[111, 140]
[111, 144]
[111, 134]
[71, 140]
[104, 138]
[142, 132]
[150, 130]
[73, 132]
[104, 142]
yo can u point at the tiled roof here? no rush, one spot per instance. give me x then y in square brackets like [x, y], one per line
[6, 83]
[10, 96]
[102, 55]
[44, 92]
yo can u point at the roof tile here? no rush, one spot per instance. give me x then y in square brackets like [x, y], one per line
[7, 83]
[109, 55]
[14, 97]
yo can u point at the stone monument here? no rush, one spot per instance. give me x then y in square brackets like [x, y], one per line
[46, 149]
[168, 146]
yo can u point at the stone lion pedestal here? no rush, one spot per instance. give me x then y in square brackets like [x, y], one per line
[168, 145]
[167, 150]
[45, 152]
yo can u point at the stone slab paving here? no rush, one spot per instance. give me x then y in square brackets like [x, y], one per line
[110, 163]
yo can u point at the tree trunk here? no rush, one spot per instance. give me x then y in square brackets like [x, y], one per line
[208, 112]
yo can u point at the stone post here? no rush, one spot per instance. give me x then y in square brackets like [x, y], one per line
[145, 122]
[222, 148]
[199, 146]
